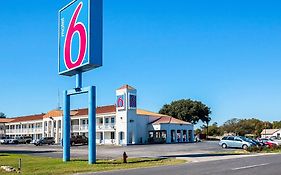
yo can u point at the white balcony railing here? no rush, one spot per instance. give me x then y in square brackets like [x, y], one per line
[106, 127]
[24, 131]
[75, 127]
[84, 127]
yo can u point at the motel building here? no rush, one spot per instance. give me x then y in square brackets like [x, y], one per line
[119, 124]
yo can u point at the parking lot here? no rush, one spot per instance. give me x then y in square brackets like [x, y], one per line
[113, 152]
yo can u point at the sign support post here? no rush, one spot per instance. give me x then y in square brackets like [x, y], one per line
[92, 125]
[66, 127]
[91, 90]
[79, 80]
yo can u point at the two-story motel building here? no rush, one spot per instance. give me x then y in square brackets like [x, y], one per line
[120, 124]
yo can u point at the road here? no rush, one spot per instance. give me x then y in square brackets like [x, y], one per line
[114, 152]
[256, 165]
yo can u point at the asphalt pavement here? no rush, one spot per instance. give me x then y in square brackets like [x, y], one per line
[113, 152]
[254, 165]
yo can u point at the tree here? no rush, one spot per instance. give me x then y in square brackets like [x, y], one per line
[187, 110]
[2, 115]
[230, 126]
[245, 126]
[276, 125]
[198, 131]
[212, 130]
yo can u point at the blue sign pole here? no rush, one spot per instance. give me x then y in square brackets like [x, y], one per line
[83, 17]
[92, 125]
[79, 80]
[66, 127]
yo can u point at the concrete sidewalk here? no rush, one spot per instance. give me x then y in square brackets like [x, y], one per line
[195, 158]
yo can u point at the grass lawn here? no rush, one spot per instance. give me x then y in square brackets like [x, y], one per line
[44, 165]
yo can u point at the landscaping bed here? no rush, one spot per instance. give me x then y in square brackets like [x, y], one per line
[273, 149]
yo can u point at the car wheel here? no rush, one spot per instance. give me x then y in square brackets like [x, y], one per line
[224, 145]
[245, 147]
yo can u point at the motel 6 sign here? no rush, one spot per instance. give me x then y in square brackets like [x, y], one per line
[80, 37]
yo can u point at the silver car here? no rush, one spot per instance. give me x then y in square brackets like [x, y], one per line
[235, 142]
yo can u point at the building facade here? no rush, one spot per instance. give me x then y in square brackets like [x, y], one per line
[119, 124]
[267, 133]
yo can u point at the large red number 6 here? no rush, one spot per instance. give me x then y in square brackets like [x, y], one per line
[72, 29]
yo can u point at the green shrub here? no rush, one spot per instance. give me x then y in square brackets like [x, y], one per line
[263, 149]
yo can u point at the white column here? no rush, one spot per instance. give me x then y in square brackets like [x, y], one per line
[57, 131]
[21, 129]
[43, 129]
[79, 126]
[168, 136]
[181, 136]
[61, 126]
[48, 128]
[52, 128]
[192, 135]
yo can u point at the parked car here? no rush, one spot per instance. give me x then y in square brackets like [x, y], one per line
[34, 141]
[27, 139]
[79, 139]
[13, 141]
[24, 139]
[235, 142]
[270, 144]
[45, 141]
[256, 142]
[275, 141]
[262, 140]
[4, 140]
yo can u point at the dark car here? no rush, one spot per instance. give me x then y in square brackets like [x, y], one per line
[79, 139]
[256, 142]
[45, 141]
[24, 139]
[28, 139]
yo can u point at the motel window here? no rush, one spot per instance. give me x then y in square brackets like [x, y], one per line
[112, 120]
[106, 120]
[83, 122]
[101, 120]
[121, 135]
[112, 135]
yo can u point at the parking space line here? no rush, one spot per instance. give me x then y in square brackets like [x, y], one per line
[250, 166]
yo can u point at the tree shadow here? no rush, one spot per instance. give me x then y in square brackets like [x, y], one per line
[119, 161]
[24, 152]
[4, 155]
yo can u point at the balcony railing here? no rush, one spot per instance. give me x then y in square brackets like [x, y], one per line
[73, 128]
[29, 130]
[106, 126]
[99, 127]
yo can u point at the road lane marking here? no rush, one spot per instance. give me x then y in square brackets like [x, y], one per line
[250, 166]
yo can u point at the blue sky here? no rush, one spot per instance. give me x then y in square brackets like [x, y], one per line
[224, 53]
